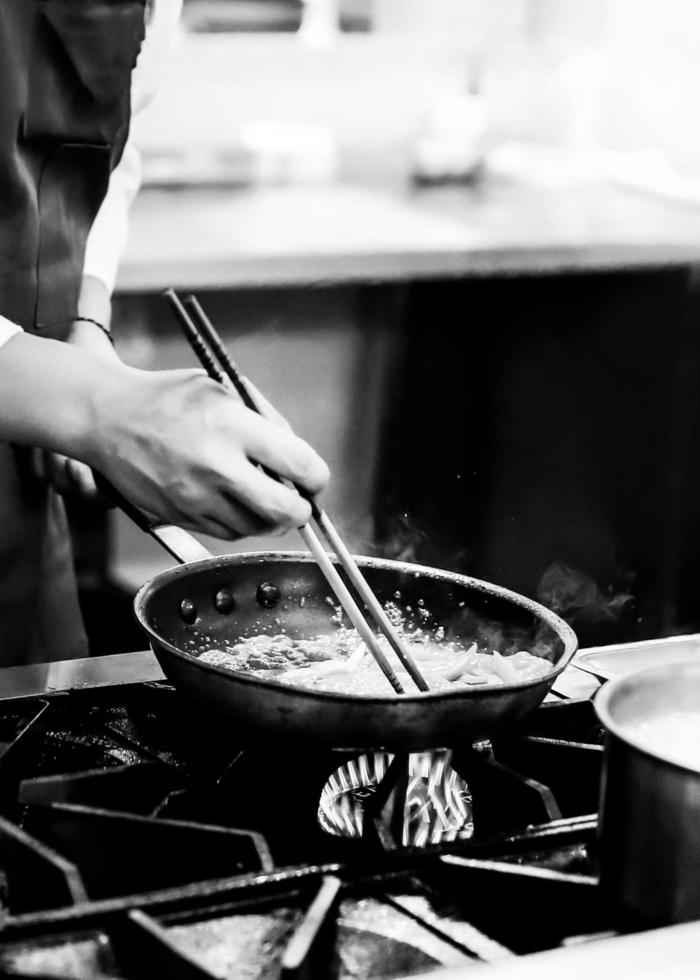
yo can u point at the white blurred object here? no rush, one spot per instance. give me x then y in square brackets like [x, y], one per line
[320, 23]
[647, 171]
[263, 152]
[477, 19]
[651, 172]
[289, 153]
[547, 91]
[541, 165]
[451, 146]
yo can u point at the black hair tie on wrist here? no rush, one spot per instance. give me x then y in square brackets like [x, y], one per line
[105, 329]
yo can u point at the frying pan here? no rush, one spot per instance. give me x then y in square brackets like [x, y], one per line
[212, 602]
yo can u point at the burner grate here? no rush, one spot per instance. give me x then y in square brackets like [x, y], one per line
[147, 846]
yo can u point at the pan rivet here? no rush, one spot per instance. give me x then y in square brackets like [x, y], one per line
[188, 611]
[268, 595]
[224, 602]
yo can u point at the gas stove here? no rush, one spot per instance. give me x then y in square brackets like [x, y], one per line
[136, 842]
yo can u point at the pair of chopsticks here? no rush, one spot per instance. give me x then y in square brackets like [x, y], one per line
[215, 359]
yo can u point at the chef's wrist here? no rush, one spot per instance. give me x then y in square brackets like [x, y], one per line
[115, 390]
[50, 394]
[104, 403]
[102, 327]
[91, 335]
[94, 301]
[91, 327]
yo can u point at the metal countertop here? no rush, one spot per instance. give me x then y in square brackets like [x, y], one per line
[67, 675]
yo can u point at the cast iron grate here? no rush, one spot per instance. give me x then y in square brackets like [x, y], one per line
[121, 822]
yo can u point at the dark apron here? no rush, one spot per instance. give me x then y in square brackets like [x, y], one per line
[65, 75]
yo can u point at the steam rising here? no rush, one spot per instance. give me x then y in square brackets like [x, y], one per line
[575, 596]
[403, 541]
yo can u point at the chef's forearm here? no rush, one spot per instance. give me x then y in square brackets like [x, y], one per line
[48, 395]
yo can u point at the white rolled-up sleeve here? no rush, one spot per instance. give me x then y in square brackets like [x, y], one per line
[7, 330]
[108, 234]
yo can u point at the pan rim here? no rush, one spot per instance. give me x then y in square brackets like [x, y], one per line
[562, 629]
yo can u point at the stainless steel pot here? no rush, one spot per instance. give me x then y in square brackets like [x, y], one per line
[210, 603]
[650, 806]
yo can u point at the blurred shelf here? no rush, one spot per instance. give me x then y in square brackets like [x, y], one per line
[329, 234]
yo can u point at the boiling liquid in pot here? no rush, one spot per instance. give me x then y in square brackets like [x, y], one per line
[674, 735]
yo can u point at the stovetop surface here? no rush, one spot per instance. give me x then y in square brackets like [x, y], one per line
[135, 838]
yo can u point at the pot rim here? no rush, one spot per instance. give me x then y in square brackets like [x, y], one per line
[611, 689]
[562, 630]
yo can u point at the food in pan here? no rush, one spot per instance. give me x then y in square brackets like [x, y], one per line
[341, 663]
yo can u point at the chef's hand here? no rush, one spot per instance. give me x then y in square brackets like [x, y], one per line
[184, 449]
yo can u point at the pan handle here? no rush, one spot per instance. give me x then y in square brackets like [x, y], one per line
[180, 544]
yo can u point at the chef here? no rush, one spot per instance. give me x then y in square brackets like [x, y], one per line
[175, 443]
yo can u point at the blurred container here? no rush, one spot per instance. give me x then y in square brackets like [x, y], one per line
[263, 153]
[320, 23]
[289, 153]
[453, 142]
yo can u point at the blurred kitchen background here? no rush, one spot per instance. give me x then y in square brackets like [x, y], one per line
[455, 242]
